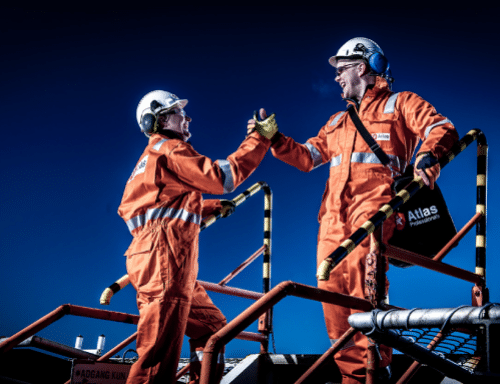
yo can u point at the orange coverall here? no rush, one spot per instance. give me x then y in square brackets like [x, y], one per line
[358, 186]
[163, 207]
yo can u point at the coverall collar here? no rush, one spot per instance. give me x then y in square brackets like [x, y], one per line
[371, 91]
[380, 84]
[166, 133]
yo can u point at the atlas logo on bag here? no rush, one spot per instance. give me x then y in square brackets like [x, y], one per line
[423, 215]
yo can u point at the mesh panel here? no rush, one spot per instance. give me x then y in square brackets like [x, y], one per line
[459, 346]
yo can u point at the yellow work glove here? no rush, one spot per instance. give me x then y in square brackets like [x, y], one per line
[266, 126]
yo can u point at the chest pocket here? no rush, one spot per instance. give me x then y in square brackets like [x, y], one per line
[334, 132]
[389, 120]
[383, 129]
[383, 126]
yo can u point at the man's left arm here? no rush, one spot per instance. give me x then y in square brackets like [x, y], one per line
[437, 133]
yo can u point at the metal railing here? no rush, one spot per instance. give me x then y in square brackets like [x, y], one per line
[375, 222]
[218, 340]
[479, 291]
[261, 306]
[265, 323]
[123, 281]
[265, 301]
[25, 337]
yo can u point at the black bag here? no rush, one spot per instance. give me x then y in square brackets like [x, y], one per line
[423, 224]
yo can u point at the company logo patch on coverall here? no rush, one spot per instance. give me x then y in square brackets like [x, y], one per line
[381, 136]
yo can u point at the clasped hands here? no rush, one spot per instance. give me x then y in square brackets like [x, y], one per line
[263, 124]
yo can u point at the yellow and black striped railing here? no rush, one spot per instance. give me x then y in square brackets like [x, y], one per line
[123, 281]
[268, 202]
[482, 166]
[409, 191]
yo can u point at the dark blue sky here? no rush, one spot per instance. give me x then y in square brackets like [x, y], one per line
[71, 82]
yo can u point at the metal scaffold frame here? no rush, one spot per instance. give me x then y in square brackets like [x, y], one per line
[26, 337]
[378, 320]
[480, 297]
[479, 291]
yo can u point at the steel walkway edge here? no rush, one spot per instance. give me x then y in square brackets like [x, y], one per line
[29, 366]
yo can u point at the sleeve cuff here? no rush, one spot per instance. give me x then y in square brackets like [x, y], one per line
[276, 138]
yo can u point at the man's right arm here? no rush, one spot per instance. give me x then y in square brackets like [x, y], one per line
[304, 157]
[220, 176]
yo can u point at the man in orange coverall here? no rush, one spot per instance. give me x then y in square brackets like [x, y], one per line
[359, 184]
[163, 207]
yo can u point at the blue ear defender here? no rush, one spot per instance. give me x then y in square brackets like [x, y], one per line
[378, 63]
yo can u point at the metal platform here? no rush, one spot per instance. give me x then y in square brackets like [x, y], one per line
[253, 369]
[458, 342]
[446, 345]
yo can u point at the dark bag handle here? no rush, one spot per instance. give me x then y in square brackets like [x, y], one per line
[384, 159]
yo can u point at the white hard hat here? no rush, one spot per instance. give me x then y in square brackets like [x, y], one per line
[357, 48]
[152, 105]
[363, 48]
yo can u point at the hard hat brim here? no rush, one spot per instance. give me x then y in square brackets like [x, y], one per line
[177, 104]
[334, 60]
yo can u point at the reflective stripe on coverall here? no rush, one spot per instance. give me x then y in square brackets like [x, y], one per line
[162, 206]
[358, 186]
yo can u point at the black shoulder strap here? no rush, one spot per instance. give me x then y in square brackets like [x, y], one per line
[384, 159]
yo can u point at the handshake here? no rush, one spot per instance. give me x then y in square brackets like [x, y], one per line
[264, 125]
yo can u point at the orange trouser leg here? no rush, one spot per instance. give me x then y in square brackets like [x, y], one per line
[164, 290]
[351, 207]
[205, 319]
[159, 342]
[349, 278]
